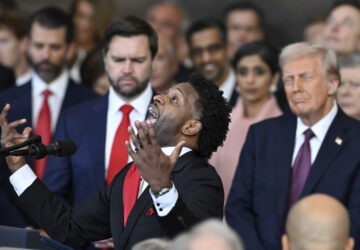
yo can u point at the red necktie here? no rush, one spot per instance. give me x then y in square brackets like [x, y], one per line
[43, 128]
[300, 169]
[119, 155]
[130, 190]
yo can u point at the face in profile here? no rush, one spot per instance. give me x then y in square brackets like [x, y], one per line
[164, 66]
[242, 27]
[348, 94]
[128, 64]
[309, 93]
[47, 51]
[171, 110]
[208, 52]
[342, 30]
[254, 79]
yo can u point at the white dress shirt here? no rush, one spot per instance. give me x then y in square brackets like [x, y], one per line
[114, 117]
[228, 85]
[55, 100]
[319, 129]
[24, 78]
[24, 177]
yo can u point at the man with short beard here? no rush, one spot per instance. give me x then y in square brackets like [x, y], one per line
[129, 49]
[208, 50]
[42, 100]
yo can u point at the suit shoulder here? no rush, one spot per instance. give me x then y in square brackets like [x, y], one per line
[86, 107]
[274, 122]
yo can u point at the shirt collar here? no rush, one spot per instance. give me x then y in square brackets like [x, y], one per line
[140, 103]
[57, 87]
[169, 150]
[321, 127]
[228, 85]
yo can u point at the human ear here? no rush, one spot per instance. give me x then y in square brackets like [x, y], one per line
[191, 127]
[285, 242]
[333, 84]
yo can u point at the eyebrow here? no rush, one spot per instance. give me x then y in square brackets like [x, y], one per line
[181, 91]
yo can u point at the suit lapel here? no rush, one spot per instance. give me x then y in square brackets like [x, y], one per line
[329, 149]
[97, 131]
[144, 201]
[282, 169]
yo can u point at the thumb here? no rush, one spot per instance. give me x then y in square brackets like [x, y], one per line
[176, 152]
[26, 132]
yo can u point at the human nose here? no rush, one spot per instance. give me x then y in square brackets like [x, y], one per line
[296, 85]
[158, 99]
[250, 78]
[206, 56]
[128, 67]
[45, 53]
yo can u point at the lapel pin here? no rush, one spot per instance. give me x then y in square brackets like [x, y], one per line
[338, 141]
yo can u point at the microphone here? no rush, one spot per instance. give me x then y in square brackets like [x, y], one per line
[39, 150]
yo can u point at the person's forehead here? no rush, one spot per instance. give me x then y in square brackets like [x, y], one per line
[344, 11]
[120, 44]
[350, 72]
[302, 64]
[166, 11]
[244, 15]
[39, 32]
[185, 89]
[6, 31]
[206, 37]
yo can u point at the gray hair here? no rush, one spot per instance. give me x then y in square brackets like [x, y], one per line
[213, 228]
[350, 60]
[151, 244]
[328, 57]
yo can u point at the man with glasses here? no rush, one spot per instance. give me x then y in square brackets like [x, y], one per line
[207, 42]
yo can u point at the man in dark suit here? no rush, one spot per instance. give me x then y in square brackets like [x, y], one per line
[50, 35]
[286, 158]
[207, 41]
[130, 48]
[191, 120]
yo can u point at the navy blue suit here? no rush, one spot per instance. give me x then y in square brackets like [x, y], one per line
[257, 203]
[21, 107]
[83, 174]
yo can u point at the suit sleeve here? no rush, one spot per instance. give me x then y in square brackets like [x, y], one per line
[239, 211]
[57, 175]
[201, 196]
[86, 222]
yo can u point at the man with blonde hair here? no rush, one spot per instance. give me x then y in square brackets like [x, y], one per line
[317, 222]
[295, 155]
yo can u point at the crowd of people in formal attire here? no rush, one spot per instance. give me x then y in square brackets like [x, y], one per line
[190, 135]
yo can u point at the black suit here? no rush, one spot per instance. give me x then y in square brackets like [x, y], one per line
[101, 216]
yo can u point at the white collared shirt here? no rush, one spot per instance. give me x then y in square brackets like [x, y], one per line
[55, 100]
[22, 178]
[228, 85]
[114, 117]
[319, 129]
[24, 78]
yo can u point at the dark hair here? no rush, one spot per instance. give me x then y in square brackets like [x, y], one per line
[132, 26]
[214, 114]
[207, 23]
[13, 21]
[244, 6]
[353, 3]
[92, 67]
[53, 18]
[265, 51]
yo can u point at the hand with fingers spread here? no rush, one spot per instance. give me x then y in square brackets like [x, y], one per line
[10, 137]
[154, 166]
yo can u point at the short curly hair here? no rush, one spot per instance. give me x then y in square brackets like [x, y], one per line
[214, 114]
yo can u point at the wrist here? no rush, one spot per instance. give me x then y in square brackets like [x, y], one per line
[161, 191]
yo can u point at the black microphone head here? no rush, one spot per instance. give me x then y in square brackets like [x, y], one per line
[66, 147]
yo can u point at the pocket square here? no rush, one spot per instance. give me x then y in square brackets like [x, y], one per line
[150, 212]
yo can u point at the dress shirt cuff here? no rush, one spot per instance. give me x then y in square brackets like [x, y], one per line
[22, 178]
[164, 203]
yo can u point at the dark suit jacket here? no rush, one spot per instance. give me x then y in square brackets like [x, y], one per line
[101, 216]
[21, 107]
[81, 175]
[257, 203]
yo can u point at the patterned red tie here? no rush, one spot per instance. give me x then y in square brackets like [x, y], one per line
[130, 190]
[43, 128]
[119, 155]
[300, 169]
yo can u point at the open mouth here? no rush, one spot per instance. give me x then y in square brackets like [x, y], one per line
[153, 113]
